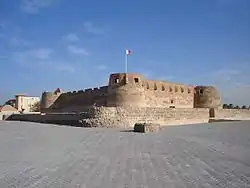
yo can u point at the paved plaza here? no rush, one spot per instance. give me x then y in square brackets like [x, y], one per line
[202, 155]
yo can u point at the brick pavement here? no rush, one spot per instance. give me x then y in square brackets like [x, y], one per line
[201, 155]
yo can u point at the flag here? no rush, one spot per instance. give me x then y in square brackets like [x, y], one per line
[128, 52]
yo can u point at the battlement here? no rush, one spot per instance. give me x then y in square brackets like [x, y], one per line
[119, 79]
[95, 90]
[164, 86]
[132, 89]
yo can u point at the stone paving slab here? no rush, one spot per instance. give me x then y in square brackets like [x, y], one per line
[201, 155]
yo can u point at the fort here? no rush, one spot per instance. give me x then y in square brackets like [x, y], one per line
[129, 98]
[133, 90]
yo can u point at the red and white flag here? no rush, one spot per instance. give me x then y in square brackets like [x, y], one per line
[128, 52]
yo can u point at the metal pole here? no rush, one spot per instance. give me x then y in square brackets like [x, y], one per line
[126, 63]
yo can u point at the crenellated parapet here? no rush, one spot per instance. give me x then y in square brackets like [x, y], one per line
[96, 90]
[131, 89]
[68, 100]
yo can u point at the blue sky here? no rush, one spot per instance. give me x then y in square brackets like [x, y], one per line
[46, 44]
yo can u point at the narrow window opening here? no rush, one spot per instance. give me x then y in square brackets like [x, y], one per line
[155, 87]
[147, 86]
[182, 90]
[201, 91]
[136, 80]
[116, 80]
[172, 101]
[189, 91]
[176, 89]
[170, 89]
[162, 88]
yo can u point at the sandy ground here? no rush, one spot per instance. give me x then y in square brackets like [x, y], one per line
[200, 155]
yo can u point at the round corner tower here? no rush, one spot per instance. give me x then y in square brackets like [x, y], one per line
[206, 97]
[48, 99]
[126, 89]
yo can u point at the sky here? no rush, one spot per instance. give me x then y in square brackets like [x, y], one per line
[49, 44]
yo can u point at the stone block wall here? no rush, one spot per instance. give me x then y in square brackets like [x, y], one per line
[232, 114]
[71, 119]
[167, 99]
[127, 117]
[76, 100]
[122, 117]
[165, 94]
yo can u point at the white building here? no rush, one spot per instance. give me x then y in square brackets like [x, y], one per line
[25, 103]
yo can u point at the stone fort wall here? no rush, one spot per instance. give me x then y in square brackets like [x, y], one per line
[133, 90]
[232, 114]
[126, 117]
[119, 117]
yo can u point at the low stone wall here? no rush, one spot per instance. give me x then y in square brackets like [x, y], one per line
[56, 118]
[126, 117]
[119, 117]
[234, 114]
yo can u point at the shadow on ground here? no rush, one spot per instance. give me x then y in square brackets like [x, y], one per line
[127, 130]
[220, 120]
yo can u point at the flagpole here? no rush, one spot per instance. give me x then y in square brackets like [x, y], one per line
[126, 63]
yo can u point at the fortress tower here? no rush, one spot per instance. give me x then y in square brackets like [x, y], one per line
[49, 99]
[125, 89]
[206, 97]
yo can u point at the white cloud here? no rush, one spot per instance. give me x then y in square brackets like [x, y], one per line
[9, 29]
[33, 6]
[225, 74]
[72, 37]
[42, 53]
[16, 41]
[41, 59]
[77, 50]
[231, 77]
[59, 66]
[91, 28]
[32, 55]
[13, 34]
